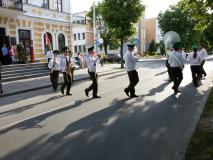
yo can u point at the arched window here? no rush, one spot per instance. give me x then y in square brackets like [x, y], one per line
[61, 42]
[46, 45]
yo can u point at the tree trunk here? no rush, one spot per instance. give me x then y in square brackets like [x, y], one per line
[121, 52]
[105, 48]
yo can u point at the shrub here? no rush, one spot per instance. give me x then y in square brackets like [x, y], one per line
[158, 53]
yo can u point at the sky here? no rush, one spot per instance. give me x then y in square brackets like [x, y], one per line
[152, 9]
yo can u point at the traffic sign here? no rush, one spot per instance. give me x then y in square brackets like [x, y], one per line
[136, 41]
[97, 43]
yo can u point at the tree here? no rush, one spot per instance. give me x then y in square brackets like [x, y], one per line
[199, 10]
[182, 23]
[153, 46]
[120, 15]
[106, 34]
[162, 48]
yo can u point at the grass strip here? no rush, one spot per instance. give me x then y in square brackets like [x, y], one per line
[201, 145]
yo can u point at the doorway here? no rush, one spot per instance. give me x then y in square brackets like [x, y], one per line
[24, 36]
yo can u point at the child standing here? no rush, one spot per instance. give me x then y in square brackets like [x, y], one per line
[11, 52]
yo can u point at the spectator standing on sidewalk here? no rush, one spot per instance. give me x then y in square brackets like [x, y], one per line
[0, 79]
[80, 57]
[102, 60]
[21, 52]
[5, 55]
[11, 52]
[115, 57]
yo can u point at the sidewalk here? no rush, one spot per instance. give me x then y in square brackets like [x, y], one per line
[23, 86]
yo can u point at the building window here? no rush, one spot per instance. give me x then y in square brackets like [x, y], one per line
[79, 47]
[74, 37]
[45, 43]
[45, 4]
[24, 36]
[79, 36]
[25, 1]
[84, 48]
[61, 42]
[58, 5]
[75, 49]
[83, 35]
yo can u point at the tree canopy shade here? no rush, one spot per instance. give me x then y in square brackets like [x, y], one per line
[106, 34]
[181, 22]
[120, 15]
[201, 10]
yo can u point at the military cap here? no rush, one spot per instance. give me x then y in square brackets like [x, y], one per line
[56, 51]
[202, 44]
[195, 47]
[177, 45]
[65, 48]
[69, 52]
[90, 48]
[131, 45]
[181, 47]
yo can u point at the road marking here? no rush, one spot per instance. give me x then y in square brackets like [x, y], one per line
[63, 106]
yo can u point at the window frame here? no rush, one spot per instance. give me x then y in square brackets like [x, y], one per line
[80, 49]
[74, 37]
[57, 5]
[79, 36]
[75, 49]
[45, 4]
[83, 36]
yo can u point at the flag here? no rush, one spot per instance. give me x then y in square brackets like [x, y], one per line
[48, 42]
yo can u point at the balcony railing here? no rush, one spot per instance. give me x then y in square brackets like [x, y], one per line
[12, 4]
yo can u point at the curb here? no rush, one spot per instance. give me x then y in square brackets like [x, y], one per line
[48, 86]
[182, 148]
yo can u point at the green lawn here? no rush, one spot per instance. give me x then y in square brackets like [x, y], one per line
[201, 145]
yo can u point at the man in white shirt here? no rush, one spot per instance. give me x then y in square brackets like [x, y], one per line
[169, 69]
[176, 70]
[54, 65]
[91, 63]
[49, 55]
[73, 65]
[130, 62]
[182, 52]
[203, 57]
[64, 67]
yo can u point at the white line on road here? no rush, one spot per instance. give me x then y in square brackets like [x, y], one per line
[62, 106]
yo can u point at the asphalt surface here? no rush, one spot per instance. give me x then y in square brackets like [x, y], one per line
[49, 126]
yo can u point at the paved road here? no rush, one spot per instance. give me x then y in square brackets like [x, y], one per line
[48, 126]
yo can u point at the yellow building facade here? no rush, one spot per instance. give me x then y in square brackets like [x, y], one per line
[33, 21]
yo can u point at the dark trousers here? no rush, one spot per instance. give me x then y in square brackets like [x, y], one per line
[72, 73]
[54, 79]
[21, 57]
[133, 80]
[49, 60]
[202, 71]
[178, 76]
[169, 70]
[67, 82]
[94, 85]
[195, 74]
[6, 59]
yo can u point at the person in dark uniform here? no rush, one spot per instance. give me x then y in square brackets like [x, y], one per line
[73, 65]
[64, 65]
[91, 63]
[130, 62]
[195, 62]
[176, 70]
[20, 52]
[54, 66]
[0, 79]
[169, 69]
[203, 57]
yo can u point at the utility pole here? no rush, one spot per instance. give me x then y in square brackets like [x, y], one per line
[71, 35]
[94, 25]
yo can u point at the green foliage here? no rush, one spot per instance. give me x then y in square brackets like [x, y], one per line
[162, 48]
[208, 33]
[199, 10]
[153, 46]
[158, 53]
[107, 35]
[152, 53]
[181, 22]
[120, 15]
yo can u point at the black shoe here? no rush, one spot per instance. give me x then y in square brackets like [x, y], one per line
[132, 96]
[87, 93]
[127, 93]
[177, 91]
[68, 94]
[1, 91]
[96, 96]
[205, 75]
[62, 91]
